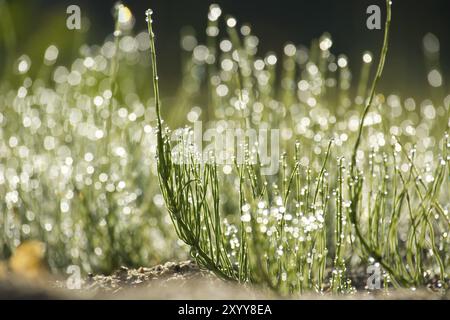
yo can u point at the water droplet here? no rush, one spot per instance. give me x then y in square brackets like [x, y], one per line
[124, 15]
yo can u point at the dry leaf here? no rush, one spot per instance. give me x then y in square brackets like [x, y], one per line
[28, 260]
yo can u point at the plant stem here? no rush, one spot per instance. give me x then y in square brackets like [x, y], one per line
[383, 55]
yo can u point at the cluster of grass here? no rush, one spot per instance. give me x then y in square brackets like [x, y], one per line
[362, 180]
[77, 149]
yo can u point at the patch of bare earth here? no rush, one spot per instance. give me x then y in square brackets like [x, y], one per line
[183, 280]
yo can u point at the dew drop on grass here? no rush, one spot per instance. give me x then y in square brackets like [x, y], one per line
[290, 50]
[188, 42]
[435, 78]
[124, 15]
[22, 92]
[342, 61]
[271, 60]
[325, 44]
[51, 54]
[231, 22]
[214, 12]
[227, 169]
[431, 43]
[98, 101]
[98, 251]
[24, 64]
[367, 57]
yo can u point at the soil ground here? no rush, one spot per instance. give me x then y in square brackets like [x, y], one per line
[183, 280]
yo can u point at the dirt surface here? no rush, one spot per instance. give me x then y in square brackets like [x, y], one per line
[183, 280]
[162, 275]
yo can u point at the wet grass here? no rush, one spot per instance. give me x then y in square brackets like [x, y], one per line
[77, 168]
[303, 228]
[363, 176]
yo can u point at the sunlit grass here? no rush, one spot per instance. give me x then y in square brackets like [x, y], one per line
[342, 199]
[77, 166]
[88, 165]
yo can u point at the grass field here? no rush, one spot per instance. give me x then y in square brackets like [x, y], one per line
[311, 179]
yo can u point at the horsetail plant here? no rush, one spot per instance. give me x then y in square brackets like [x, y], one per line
[282, 230]
[185, 189]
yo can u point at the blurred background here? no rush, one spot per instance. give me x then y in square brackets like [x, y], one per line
[39, 23]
